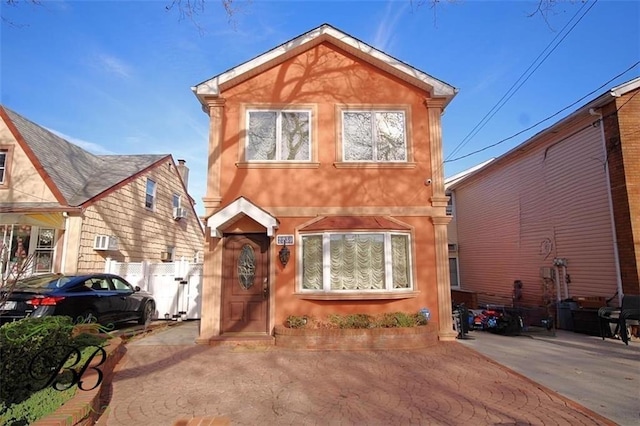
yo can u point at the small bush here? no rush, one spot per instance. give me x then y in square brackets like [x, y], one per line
[401, 319]
[40, 404]
[386, 320]
[89, 339]
[351, 321]
[294, 321]
[49, 399]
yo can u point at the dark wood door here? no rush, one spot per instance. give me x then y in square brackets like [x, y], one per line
[245, 283]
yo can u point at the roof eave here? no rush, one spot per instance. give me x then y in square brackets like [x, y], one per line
[598, 102]
[437, 88]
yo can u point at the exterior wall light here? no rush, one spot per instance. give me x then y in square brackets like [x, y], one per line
[284, 255]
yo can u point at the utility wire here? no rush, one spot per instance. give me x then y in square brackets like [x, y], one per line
[515, 87]
[551, 116]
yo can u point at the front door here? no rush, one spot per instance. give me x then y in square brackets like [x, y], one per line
[245, 283]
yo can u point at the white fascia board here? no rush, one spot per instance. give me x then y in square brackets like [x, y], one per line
[625, 87]
[241, 206]
[211, 87]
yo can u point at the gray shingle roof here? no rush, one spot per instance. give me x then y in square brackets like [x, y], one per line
[78, 174]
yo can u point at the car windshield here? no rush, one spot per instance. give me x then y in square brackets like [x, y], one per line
[43, 281]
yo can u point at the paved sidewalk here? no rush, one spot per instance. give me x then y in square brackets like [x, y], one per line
[449, 384]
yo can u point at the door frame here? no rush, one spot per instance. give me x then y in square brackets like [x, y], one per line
[269, 274]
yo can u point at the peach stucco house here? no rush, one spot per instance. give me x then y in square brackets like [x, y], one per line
[332, 148]
[560, 212]
[68, 210]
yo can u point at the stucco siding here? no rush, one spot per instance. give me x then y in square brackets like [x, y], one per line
[323, 79]
[25, 184]
[547, 202]
[142, 234]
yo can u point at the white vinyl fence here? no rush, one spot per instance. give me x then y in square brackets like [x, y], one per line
[176, 286]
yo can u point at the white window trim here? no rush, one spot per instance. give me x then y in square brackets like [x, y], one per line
[451, 208]
[3, 165]
[326, 265]
[373, 111]
[457, 286]
[173, 201]
[153, 195]
[279, 112]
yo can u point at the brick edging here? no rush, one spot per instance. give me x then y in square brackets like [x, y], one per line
[356, 339]
[84, 407]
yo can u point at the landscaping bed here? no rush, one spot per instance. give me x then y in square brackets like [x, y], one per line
[357, 332]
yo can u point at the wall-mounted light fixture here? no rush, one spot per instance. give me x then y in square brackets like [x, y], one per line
[284, 255]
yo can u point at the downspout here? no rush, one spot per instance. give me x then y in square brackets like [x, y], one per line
[616, 256]
[65, 240]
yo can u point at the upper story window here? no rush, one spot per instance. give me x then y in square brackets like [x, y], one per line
[364, 262]
[5, 161]
[177, 201]
[150, 197]
[3, 164]
[449, 203]
[278, 135]
[374, 136]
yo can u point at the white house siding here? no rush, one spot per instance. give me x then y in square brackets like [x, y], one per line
[142, 234]
[548, 200]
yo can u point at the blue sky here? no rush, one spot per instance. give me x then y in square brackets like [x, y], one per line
[115, 76]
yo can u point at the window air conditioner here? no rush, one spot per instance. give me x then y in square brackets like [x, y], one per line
[179, 213]
[165, 256]
[453, 247]
[105, 242]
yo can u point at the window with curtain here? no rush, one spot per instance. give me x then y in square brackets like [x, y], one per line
[278, 135]
[356, 262]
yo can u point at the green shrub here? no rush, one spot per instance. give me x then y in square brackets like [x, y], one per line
[30, 351]
[49, 399]
[88, 339]
[40, 404]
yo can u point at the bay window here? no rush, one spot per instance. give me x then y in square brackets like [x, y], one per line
[356, 262]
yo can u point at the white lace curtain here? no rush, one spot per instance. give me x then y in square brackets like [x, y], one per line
[357, 262]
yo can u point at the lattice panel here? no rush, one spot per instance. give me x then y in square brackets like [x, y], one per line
[162, 269]
[125, 269]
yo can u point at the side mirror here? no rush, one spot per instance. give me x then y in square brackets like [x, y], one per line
[136, 288]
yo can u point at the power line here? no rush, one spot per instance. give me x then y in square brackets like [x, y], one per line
[515, 87]
[550, 117]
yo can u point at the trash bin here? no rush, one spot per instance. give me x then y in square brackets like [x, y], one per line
[565, 318]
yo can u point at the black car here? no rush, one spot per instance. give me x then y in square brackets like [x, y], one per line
[102, 298]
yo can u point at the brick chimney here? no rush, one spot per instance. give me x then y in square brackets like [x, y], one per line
[184, 173]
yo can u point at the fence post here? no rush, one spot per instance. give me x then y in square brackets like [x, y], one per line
[144, 266]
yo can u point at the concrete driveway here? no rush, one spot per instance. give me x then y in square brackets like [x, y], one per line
[602, 375]
[164, 378]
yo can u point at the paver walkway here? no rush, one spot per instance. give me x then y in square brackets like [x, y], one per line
[448, 384]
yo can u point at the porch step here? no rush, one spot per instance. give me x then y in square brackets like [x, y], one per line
[243, 339]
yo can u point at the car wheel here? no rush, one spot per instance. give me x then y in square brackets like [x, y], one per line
[147, 313]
